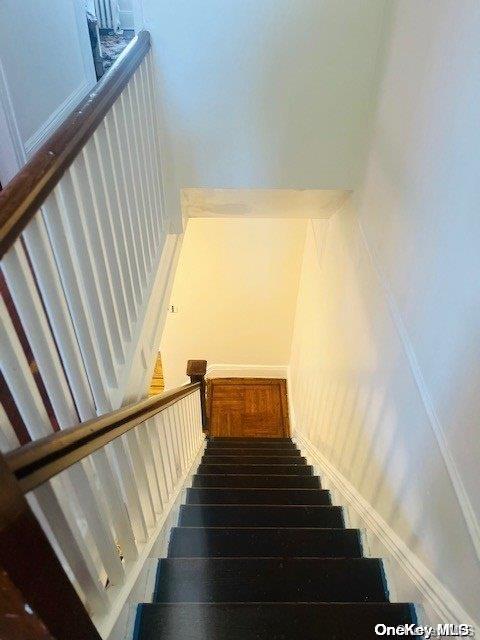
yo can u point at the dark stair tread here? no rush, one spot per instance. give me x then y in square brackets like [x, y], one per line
[256, 481]
[210, 458]
[257, 469]
[270, 580]
[261, 515]
[233, 495]
[250, 444]
[252, 451]
[240, 439]
[255, 442]
[265, 542]
[263, 460]
[268, 621]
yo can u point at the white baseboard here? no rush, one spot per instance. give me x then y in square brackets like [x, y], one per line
[435, 597]
[56, 118]
[247, 371]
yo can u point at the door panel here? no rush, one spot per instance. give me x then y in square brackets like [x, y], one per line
[248, 407]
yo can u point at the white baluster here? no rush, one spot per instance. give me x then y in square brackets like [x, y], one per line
[151, 150]
[130, 488]
[111, 177]
[177, 416]
[165, 446]
[125, 135]
[184, 403]
[175, 442]
[141, 480]
[156, 138]
[54, 502]
[114, 502]
[48, 279]
[149, 464]
[142, 133]
[84, 224]
[191, 441]
[73, 255]
[19, 379]
[158, 456]
[137, 165]
[109, 228]
[198, 419]
[190, 426]
[185, 426]
[76, 296]
[172, 442]
[93, 506]
[149, 127]
[193, 425]
[126, 202]
[29, 306]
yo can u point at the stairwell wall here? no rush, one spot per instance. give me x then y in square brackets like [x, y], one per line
[384, 371]
[234, 293]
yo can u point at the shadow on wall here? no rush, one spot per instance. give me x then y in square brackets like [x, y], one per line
[356, 400]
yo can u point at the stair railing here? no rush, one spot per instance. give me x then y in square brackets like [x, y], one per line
[81, 508]
[83, 232]
[84, 241]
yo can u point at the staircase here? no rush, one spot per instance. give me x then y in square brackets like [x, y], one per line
[260, 553]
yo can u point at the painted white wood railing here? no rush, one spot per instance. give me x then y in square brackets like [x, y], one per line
[103, 514]
[84, 245]
[77, 283]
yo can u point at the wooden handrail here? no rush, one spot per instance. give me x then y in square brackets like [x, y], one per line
[33, 572]
[196, 371]
[38, 461]
[34, 569]
[27, 191]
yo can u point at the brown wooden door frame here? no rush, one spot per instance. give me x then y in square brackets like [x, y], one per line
[280, 382]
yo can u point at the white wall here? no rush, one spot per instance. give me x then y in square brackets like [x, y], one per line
[235, 289]
[126, 14]
[264, 93]
[47, 64]
[385, 366]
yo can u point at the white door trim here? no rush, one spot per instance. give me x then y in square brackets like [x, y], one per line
[12, 151]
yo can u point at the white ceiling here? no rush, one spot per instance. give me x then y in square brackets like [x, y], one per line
[264, 94]
[262, 203]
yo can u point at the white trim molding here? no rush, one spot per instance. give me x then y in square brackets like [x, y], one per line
[56, 118]
[471, 520]
[441, 600]
[247, 371]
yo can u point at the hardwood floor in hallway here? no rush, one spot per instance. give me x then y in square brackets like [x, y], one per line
[248, 408]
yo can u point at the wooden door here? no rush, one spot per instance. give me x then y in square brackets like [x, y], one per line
[248, 407]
